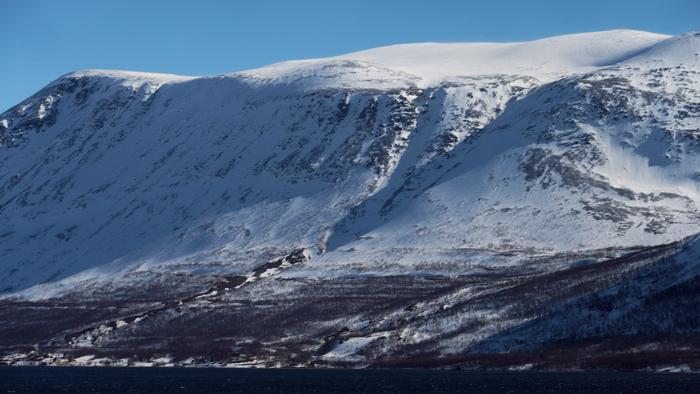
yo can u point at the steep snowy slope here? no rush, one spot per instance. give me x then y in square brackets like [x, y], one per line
[616, 150]
[385, 161]
[155, 171]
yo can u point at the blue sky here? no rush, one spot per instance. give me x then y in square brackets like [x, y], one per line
[42, 39]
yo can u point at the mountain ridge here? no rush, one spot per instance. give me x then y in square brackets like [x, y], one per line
[490, 96]
[639, 41]
[154, 200]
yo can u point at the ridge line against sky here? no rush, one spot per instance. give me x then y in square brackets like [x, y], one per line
[43, 39]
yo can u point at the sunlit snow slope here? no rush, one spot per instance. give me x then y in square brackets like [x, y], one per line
[402, 159]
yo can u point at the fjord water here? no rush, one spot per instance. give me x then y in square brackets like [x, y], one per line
[211, 380]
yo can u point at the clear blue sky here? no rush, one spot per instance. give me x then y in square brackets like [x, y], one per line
[42, 39]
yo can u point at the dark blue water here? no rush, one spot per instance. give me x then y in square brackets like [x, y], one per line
[163, 380]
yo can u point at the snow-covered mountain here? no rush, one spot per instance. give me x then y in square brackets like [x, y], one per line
[409, 161]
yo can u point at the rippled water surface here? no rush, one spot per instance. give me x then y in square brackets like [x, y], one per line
[164, 380]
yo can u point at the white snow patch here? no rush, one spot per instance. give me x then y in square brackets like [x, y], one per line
[347, 350]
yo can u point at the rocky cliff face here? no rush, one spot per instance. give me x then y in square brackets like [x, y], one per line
[367, 209]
